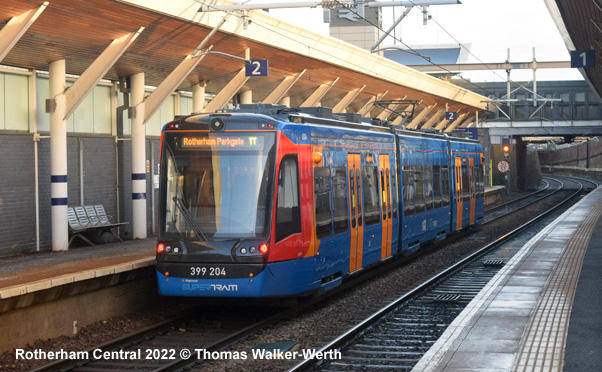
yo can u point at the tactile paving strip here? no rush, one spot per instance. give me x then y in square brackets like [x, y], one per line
[545, 338]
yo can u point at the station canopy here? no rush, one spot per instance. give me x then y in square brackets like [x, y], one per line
[79, 30]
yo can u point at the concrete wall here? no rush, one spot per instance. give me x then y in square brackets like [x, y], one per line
[55, 318]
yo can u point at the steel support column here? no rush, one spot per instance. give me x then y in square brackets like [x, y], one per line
[246, 97]
[58, 157]
[286, 101]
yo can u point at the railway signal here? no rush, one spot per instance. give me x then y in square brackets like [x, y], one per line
[506, 147]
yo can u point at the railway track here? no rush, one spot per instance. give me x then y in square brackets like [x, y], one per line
[210, 334]
[396, 336]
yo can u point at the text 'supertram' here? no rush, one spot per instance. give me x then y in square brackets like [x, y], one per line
[268, 201]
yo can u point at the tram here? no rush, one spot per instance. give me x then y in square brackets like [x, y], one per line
[271, 201]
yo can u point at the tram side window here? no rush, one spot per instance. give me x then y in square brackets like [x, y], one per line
[371, 199]
[481, 181]
[419, 180]
[288, 212]
[408, 190]
[437, 185]
[445, 185]
[428, 186]
[465, 183]
[322, 202]
[339, 200]
[394, 192]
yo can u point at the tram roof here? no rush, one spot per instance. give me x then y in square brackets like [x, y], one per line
[79, 30]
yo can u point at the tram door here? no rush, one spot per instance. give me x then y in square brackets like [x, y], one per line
[473, 198]
[355, 209]
[458, 193]
[387, 209]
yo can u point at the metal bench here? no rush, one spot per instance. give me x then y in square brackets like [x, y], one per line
[88, 219]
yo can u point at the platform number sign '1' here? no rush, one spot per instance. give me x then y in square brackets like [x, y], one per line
[256, 67]
[583, 58]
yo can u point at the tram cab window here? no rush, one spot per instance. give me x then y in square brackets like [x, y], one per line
[419, 180]
[408, 190]
[371, 198]
[288, 212]
[428, 186]
[437, 185]
[322, 202]
[445, 185]
[339, 200]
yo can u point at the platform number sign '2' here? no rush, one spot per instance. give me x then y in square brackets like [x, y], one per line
[256, 67]
[451, 115]
[583, 58]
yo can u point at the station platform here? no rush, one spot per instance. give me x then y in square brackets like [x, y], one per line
[541, 312]
[29, 273]
[50, 294]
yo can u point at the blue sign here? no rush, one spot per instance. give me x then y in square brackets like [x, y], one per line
[583, 58]
[472, 133]
[450, 115]
[256, 67]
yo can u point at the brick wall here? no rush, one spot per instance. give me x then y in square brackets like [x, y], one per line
[17, 202]
[574, 156]
[98, 161]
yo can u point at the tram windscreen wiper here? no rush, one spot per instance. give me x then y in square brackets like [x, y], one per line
[189, 218]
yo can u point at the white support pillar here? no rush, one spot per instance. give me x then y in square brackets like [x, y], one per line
[341, 107]
[318, 94]
[280, 92]
[16, 27]
[226, 94]
[58, 157]
[286, 101]
[198, 97]
[246, 97]
[138, 158]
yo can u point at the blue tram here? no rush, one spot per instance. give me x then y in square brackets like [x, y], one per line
[269, 201]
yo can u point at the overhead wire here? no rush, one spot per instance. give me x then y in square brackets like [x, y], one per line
[414, 51]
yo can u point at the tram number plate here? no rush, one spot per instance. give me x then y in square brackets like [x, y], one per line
[211, 271]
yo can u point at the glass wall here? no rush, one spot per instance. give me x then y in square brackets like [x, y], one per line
[14, 102]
